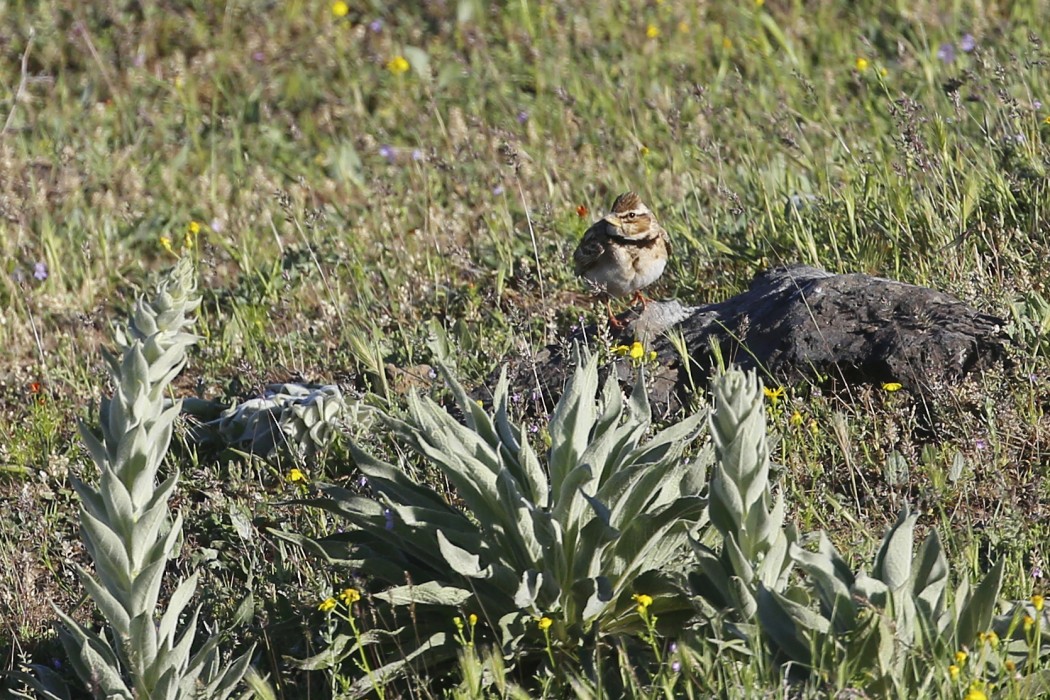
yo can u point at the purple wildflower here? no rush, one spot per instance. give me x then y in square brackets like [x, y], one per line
[497, 190]
[258, 56]
[1037, 572]
[980, 444]
[523, 116]
[387, 152]
[417, 154]
[676, 666]
[363, 481]
[389, 515]
[946, 53]
[967, 43]
[376, 25]
[40, 271]
[1037, 104]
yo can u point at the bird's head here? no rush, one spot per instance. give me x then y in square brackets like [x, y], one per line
[630, 215]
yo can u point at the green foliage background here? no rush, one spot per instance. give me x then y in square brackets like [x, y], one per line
[344, 209]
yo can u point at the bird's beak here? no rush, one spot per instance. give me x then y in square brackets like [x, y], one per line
[614, 220]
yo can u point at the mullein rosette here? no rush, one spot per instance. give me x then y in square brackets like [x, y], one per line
[127, 526]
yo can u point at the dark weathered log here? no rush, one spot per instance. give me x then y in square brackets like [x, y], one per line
[799, 323]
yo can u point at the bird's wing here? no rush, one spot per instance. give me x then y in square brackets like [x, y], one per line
[591, 247]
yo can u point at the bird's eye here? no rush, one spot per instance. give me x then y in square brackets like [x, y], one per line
[629, 215]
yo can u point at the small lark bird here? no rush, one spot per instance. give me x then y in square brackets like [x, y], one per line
[623, 253]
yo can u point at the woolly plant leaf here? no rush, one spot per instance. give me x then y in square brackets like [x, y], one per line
[894, 558]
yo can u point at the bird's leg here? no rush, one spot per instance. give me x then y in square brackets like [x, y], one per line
[616, 323]
[640, 298]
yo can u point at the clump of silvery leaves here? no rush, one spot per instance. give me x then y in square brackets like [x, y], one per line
[891, 628]
[570, 534]
[301, 418]
[143, 649]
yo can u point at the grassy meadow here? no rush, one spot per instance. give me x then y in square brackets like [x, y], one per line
[351, 178]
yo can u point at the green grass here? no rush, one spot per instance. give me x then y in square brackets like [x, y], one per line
[346, 211]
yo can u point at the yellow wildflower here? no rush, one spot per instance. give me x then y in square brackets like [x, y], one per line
[774, 395]
[193, 228]
[544, 623]
[726, 43]
[644, 150]
[458, 622]
[892, 386]
[683, 27]
[643, 600]
[620, 350]
[861, 63]
[1038, 602]
[473, 619]
[796, 419]
[340, 8]
[960, 657]
[953, 671]
[295, 475]
[398, 65]
[652, 31]
[637, 351]
[327, 605]
[652, 356]
[1028, 622]
[165, 243]
[976, 694]
[991, 637]
[1046, 120]
[1010, 666]
[350, 596]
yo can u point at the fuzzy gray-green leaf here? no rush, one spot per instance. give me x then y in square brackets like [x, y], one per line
[111, 608]
[893, 561]
[571, 421]
[460, 560]
[428, 593]
[976, 614]
[790, 625]
[930, 576]
[176, 604]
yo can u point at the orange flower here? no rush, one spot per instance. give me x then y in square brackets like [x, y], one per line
[581, 211]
